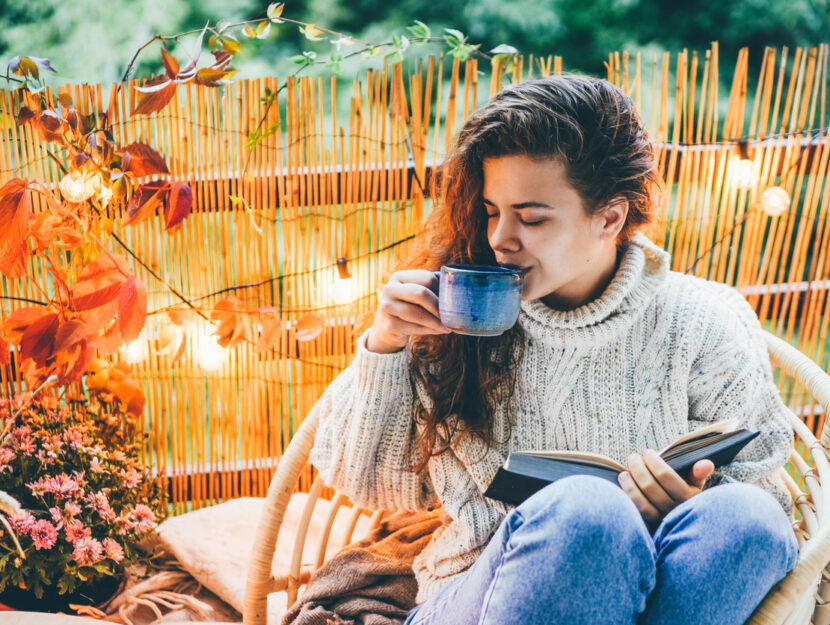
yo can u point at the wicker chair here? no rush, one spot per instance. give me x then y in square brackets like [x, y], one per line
[803, 596]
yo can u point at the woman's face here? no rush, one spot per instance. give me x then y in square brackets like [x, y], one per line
[537, 222]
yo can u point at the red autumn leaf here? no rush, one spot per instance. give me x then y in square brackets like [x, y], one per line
[38, 341]
[13, 263]
[146, 201]
[233, 321]
[49, 126]
[25, 115]
[179, 203]
[99, 283]
[15, 214]
[19, 320]
[154, 95]
[110, 340]
[178, 316]
[143, 160]
[5, 353]
[170, 63]
[132, 308]
[69, 334]
[83, 356]
[309, 327]
[271, 326]
[210, 76]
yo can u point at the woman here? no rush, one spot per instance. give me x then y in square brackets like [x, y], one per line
[613, 354]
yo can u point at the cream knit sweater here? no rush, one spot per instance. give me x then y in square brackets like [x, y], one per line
[656, 355]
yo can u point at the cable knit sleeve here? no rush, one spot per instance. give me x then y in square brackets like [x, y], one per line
[365, 443]
[731, 377]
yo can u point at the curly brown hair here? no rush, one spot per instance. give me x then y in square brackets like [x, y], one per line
[592, 127]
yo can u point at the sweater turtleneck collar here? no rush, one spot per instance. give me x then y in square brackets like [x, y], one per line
[642, 270]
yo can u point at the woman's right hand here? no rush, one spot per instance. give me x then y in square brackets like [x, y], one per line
[407, 306]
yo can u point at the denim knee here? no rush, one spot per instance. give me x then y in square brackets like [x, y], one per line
[589, 509]
[750, 519]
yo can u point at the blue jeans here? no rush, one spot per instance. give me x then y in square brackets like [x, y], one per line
[578, 552]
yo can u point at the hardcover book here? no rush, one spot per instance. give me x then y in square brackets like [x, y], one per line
[525, 472]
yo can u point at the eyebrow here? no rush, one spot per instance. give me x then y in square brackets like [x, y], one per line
[522, 205]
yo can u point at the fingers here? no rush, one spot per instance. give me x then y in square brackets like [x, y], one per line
[701, 472]
[412, 287]
[654, 487]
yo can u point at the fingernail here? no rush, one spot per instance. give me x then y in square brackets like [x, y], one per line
[623, 477]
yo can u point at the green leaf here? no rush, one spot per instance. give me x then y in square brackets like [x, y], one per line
[274, 12]
[419, 30]
[456, 33]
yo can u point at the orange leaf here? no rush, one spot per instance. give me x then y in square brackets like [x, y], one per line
[15, 213]
[154, 95]
[69, 335]
[170, 63]
[110, 340]
[19, 320]
[38, 340]
[271, 326]
[97, 318]
[146, 201]
[210, 76]
[179, 203]
[309, 327]
[5, 353]
[178, 316]
[233, 322]
[143, 160]
[99, 283]
[132, 308]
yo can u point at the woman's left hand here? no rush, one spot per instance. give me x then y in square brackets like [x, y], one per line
[656, 489]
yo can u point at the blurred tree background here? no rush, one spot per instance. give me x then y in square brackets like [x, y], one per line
[91, 41]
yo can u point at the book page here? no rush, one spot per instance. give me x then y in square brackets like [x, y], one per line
[716, 428]
[581, 457]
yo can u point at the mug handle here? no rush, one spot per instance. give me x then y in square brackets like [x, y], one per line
[437, 274]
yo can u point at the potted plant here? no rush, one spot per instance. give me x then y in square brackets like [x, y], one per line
[76, 498]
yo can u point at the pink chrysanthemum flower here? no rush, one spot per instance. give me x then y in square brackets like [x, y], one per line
[72, 508]
[24, 524]
[87, 551]
[44, 534]
[62, 486]
[113, 550]
[95, 465]
[101, 505]
[76, 531]
[73, 437]
[142, 519]
[57, 517]
[21, 440]
[132, 478]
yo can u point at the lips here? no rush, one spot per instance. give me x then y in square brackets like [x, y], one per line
[523, 270]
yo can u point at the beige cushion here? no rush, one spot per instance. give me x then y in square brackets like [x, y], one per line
[214, 544]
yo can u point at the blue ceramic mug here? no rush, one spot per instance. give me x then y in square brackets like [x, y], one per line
[479, 300]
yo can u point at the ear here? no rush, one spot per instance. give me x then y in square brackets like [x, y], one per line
[612, 218]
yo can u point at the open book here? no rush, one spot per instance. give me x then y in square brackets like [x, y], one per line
[525, 472]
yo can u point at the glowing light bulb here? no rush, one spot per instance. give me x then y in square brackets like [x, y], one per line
[744, 173]
[136, 351]
[343, 290]
[775, 201]
[210, 355]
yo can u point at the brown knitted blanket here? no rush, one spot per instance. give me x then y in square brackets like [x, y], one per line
[370, 582]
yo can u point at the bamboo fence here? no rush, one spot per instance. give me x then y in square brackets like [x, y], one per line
[270, 222]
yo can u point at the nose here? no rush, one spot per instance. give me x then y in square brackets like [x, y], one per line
[503, 236]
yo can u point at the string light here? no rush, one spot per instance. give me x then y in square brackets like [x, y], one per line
[343, 286]
[136, 350]
[774, 201]
[743, 171]
[209, 354]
